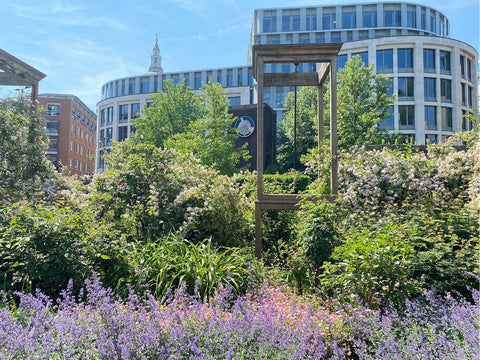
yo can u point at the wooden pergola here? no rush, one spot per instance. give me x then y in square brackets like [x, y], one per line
[326, 54]
[14, 72]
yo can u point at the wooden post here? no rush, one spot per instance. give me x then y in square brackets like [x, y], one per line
[333, 127]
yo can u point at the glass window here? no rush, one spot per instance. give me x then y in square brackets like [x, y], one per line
[250, 79]
[424, 21]
[363, 56]
[433, 24]
[234, 100]
[464, 95]
[53, 110]
[349, 20]
[429, 89]
[240, 78]
[405, 87]
[431, 117]
[311, 21]
[470, 96]
[341, 61]
[392, 18]
[304, 39]
[110, 115]
[465, 121]
[108, 136]
[447, 122]
[123, 113]
[370, 19]
[144, 86]
[269, 22]
[198, 81]
[462, 66]
[445, 67]
[469, 69]
[329, 21]
[432, 138]
[122, 133]
[390, 88]
[336, 38]
[103, 116]
[267, 96]
[131, 86]
[291, 23]
[405, 60]
[229, 78]
[406, 116]
[320, 39]
[411, 19]
[388, 123]
[135, 110]
[52, 126]
[385, 61]
[429, 60]
[285, 68]
[72, 145]
[446, 90]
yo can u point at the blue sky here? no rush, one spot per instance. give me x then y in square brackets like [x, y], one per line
[82, 44]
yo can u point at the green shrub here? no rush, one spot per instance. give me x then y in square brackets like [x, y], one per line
[171, 261]
[149, 192]
[373, 264]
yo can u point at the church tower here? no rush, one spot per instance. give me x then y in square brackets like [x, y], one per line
[155, 59]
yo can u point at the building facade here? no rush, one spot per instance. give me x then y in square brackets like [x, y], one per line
[71, 129]
[433, 76]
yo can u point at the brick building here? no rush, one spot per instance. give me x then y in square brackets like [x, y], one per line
[71, 127]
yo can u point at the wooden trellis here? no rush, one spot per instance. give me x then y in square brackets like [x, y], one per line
[14, 72]
[326, 54]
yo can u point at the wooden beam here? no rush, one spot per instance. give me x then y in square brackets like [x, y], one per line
[16, 66]
[9, 79]
[290, 79]
[323, 72]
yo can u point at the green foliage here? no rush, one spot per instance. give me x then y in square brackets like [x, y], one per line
[149, 192]
[306, 126]
[23, 166]
[172, 112]
[171, 262]
[362, 104]
[43, 247]
[212, 137]
[371, 263]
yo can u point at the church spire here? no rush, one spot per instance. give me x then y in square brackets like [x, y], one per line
[156, 59]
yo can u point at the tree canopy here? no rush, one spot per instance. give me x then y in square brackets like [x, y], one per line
[172, 112]
[362, 102]
[179, 119]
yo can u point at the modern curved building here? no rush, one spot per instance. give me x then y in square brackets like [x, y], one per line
[433, 76]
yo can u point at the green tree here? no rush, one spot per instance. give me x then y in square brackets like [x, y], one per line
[363, 102]
[306, 129]
[172, 112]
[212, 137]
[22, 148]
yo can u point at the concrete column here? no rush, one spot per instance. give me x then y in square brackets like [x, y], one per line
[303, 17]
[338, 14]
[319, 18]
[379, 15]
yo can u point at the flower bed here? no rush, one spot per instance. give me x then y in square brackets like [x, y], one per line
[270, 323]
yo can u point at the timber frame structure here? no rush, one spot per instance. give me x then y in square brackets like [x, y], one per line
[326, 54]
[14, 72]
